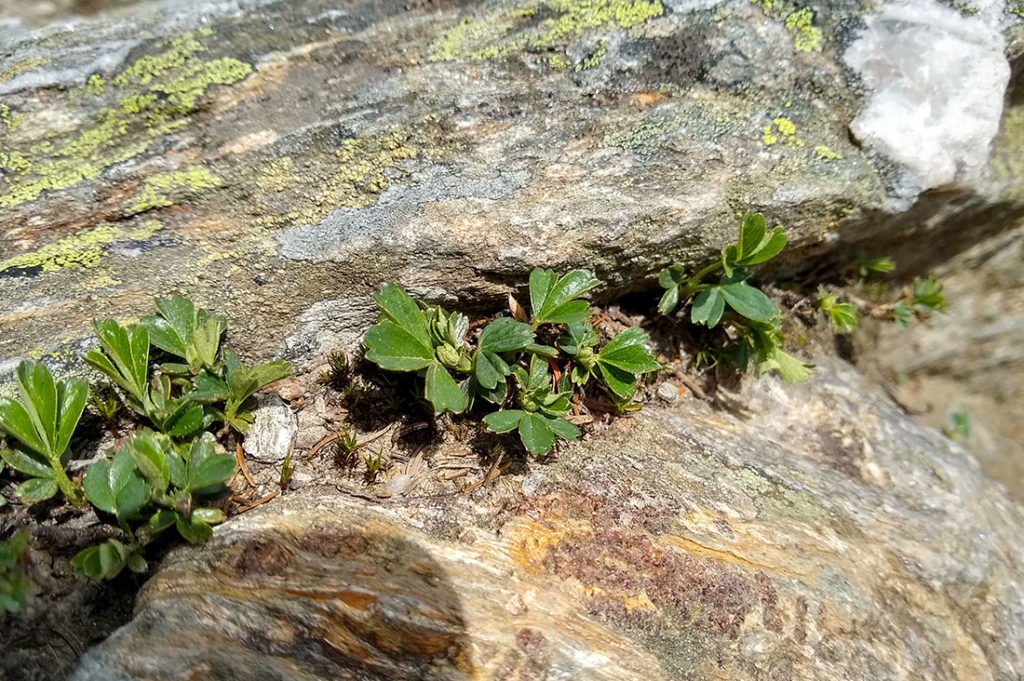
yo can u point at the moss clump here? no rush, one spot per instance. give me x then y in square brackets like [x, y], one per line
[157, 191]
[507, 32]
[152, 97]
[806, 37]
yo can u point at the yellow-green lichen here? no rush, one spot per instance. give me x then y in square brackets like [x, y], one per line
[826, 153]
[594, 58]
[21, 67]
[806, 37]
[786, 131]
[81, 249]
[152, 97]
[158, 191]
[507, 32]
[94, 86]
[275, 175]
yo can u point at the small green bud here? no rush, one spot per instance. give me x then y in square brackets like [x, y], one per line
[448, 355]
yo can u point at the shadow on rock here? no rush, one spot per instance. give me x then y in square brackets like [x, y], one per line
[266, 602]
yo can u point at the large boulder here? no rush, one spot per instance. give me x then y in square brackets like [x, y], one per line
[814, 533]
[278, 160]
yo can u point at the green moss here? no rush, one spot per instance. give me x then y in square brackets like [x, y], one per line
[157, 191]
[806, 37]
[507, 32]
[155, 95]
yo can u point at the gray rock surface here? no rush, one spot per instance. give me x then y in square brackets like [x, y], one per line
[815, 533]
[278, 160]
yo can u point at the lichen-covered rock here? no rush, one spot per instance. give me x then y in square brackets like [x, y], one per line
[816, 534]
[277, 160]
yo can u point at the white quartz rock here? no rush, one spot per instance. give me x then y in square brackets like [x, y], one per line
[937, 80]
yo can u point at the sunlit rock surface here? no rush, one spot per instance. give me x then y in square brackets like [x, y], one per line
[816, 533]
[920, 59]
[278, 160]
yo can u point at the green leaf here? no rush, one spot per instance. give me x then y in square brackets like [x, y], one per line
[621, 382]
[542, 350]
[17, 422]
[243, 382]
[116, 486]
[505, 335]
[211, 470]
[489, 369]
[559, 304]
[748, 301]
[752, 231]
[755, 246]
[186, 419]
[708, 307]
[160, 521]
[563, 428]
[208, 388]
[193, 529]
[672, 276]
[578, 335]
[104, 561]
[791, 369]
[442, 391]
[541, 283]
[148, 454]
[769, 248]
[137, 564]
[504, 421]
[39, 395]
[24, 462]
[900, 314]
[36, 489]
[669, 301]
[393, 347]
[211, 516]
[127, 356]
[72, 395]
[536, 434]
[629, 351]
[97, 487]
[403, 312]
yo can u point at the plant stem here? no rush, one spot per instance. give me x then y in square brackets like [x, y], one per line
[67, 488]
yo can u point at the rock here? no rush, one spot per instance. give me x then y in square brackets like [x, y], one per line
[272, 435]
[217, 149]
[919, 58]
[668, 392]
[287, 389]
[819, 533]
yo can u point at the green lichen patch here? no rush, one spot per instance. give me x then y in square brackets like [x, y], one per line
[781, 129]
[353, 175]
[165, 190]
[152, 97]
[539, 27]
[806, 37]
[81, 249]
[21, 67]
[798, 20]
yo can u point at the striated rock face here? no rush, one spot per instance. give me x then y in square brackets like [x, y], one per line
[816, 533]
[278, 160]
